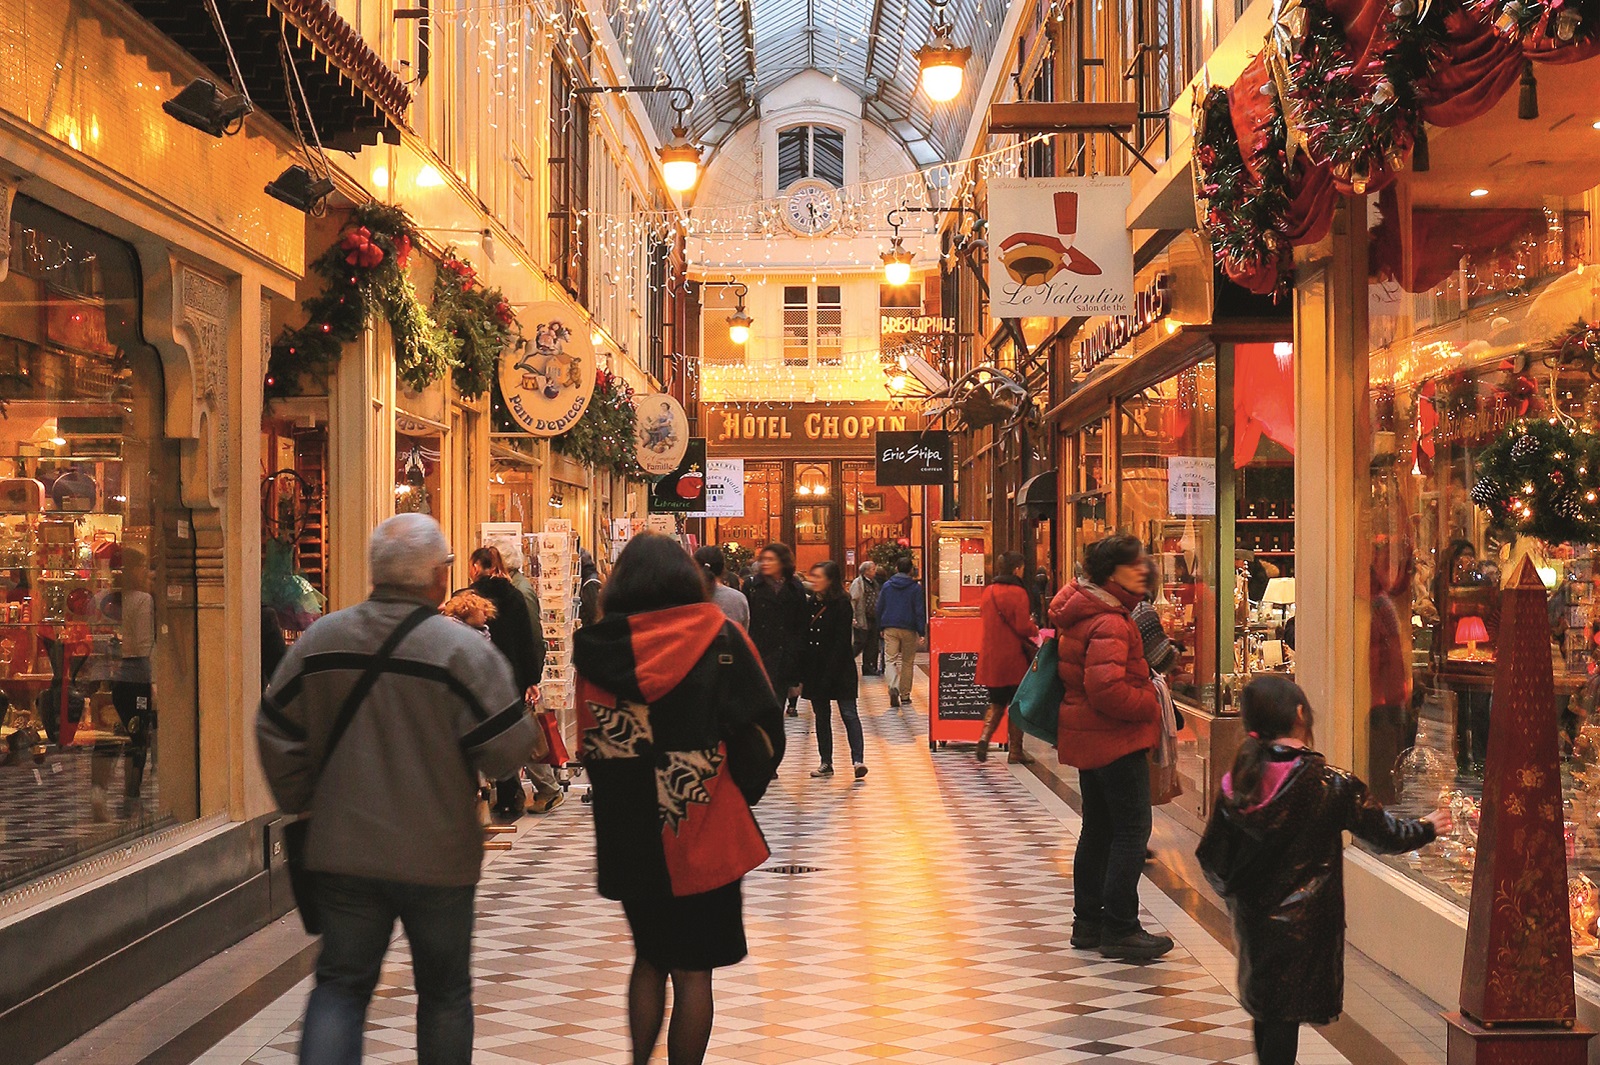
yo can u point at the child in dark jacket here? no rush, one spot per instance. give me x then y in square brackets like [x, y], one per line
[1273, 851]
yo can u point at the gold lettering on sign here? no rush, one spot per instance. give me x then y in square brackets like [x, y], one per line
[830, 427]
[852, 427]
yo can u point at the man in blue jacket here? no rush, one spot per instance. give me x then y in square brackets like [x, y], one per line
[903, 619]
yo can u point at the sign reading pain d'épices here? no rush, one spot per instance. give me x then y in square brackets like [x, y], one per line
[914, 458]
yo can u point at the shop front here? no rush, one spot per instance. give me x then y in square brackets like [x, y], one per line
[1183, 435]
[810, 481]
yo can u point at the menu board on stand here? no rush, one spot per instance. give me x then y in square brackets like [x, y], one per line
[558, 609]
[959, 564]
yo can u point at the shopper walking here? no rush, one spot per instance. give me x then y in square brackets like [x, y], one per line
[1110, 718]
[903, 619]
[511, 632]
[377, 723]
[682, 734]
[1006, 650]
[730, 601]
[778, 619]
[830, 668]
[864, 604]
[1274, 850]
[589, 585]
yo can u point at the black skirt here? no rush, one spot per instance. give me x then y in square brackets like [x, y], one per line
[695, 933]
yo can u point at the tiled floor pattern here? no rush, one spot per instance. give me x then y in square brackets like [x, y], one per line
[933, 929]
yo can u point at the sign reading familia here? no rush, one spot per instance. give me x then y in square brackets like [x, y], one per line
[914, 458]
[801, 430]
[548, 380]
[1060, 247]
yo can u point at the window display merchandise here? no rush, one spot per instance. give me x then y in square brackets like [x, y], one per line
[94, 747]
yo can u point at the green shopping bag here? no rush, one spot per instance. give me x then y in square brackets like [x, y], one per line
[1036, 707]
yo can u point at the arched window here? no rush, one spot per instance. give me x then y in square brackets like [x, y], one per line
[810, 152]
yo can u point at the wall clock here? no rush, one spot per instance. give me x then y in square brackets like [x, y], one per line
[811, 207]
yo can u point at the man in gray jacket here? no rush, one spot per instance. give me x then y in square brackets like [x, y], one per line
[394, 831]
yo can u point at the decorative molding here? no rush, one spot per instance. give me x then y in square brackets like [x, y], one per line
[8, 196]
[200, 311]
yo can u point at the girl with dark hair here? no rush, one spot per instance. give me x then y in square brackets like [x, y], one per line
[732, 603]
[1110, 718]
[830, 667]
[1006, 649]
[1273, 849]
[779, 613]
[681, 735]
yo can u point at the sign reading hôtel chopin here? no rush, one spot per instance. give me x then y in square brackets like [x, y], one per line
[800, 430]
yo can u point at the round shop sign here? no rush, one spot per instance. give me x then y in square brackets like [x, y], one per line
[547, 380]
[663, 434]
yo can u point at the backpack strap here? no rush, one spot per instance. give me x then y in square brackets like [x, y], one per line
[369, 677]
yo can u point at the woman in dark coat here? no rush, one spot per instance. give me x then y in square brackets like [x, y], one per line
[1274, 850]
[779, 615]
[829, 674]
[681, 735]
[511, 630]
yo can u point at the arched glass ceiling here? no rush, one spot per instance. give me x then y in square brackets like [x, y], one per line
[729, 52]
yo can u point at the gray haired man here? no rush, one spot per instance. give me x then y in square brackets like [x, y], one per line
[394, 832]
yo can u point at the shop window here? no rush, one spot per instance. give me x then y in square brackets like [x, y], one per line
[810, 152]
[97, 635]
[1472, 290]
[1167, 477]
[813, 325]
[418, 481]
[876, 514]
[294, 547]
[762, 521]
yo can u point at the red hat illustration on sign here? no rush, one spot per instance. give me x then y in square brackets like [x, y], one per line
[1035, 258]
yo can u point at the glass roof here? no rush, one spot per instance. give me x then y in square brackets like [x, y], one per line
[728, 52]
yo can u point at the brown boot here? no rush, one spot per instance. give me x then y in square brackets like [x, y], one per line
[1015, 755]
[991, 721]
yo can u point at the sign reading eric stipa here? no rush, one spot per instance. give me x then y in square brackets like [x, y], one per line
[1060, 247]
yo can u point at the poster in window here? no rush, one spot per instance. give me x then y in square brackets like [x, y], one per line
[1060, 247]
[1191, 486]
[683, 491]
[724, 489]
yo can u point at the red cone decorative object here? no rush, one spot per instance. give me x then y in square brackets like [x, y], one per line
[1517, 1000]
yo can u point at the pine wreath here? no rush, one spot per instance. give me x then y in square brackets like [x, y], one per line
[1243, 217]
[364, 272]
[605, 436]
[1541, 478]
[480, 319]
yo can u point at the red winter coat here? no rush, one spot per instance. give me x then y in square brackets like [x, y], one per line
[1003, 657]
[1110, 708]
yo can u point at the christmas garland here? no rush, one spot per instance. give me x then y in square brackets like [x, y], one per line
[478, 318]
[363, 271]
[1559, 21]
[605, 436]
[1541, 478]
[1242, 215]
[1578, 348]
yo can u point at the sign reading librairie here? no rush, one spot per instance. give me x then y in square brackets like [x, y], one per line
[800, 430]
[684, 489]
[914, 458]
[1060, 247]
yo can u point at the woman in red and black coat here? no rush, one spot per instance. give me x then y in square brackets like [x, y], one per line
[1006, 650]
[681, 735]
[829, 673]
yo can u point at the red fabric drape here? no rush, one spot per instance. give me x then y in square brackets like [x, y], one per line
[1263, 401]
[1252, 110]
[1439, 237]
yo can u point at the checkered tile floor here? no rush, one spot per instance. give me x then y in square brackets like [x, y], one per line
[933, 929]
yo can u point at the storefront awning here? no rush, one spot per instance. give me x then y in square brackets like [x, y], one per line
[1037, 496]
[356, 99]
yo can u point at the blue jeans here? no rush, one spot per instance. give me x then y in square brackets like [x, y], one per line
[358, 916]
[1110, 855]
[823, 710]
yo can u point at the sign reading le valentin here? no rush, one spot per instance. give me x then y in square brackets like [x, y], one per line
[801, 430]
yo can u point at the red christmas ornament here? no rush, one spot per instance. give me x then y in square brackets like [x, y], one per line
[402, 250]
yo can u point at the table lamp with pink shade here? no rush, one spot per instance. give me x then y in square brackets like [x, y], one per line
[1469, 630]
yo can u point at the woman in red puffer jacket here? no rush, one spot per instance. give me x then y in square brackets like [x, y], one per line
[1110, 718]
[1006, 650]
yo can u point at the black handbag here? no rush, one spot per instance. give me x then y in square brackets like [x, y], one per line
[302, 881]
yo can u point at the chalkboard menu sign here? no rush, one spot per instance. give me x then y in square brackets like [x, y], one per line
[960, 697]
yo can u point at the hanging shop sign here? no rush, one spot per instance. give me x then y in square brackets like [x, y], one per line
[1060, 247]
[800, 430]
[915, 458]
[724, 489]
[663, 433]
[1150, 304]
[683, 490]
[547, 381]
